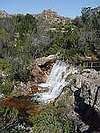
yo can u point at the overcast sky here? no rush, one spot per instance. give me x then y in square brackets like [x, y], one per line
[68, 8]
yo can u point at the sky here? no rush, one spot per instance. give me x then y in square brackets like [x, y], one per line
[67, 8]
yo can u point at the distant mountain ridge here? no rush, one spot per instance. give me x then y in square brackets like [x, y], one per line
[50, 14]
[3, 13]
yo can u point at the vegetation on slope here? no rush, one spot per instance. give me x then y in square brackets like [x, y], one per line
[24, 37]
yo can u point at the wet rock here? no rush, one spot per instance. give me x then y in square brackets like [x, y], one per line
[39, 72]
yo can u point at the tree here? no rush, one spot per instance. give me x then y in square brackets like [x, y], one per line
[85, 13]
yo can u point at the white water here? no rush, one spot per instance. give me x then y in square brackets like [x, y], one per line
[1, 95]
[56, 81]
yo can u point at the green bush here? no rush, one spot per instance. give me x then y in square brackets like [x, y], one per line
[7, 117]
[53, 118]
[5, 66]
[6, 86]
[50, 121]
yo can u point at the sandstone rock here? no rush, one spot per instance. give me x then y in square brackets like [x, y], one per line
[43, 60]
[39, 76]
[41, 68]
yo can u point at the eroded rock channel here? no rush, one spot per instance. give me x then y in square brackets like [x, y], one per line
[54, 81]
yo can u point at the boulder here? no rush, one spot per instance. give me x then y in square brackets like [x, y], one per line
[44, 60]
[38, 75]
[41, 67]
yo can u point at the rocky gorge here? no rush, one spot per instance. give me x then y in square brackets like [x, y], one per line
[57, 82]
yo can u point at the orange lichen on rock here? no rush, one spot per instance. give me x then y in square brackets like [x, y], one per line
[35, 89]
[22, 104]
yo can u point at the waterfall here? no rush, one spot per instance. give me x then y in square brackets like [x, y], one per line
[1, 95]
[56, 81]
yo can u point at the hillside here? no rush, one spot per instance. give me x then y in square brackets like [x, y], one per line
[50, 72]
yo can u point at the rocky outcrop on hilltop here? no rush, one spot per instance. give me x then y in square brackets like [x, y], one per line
[52, 17]
[47, 21]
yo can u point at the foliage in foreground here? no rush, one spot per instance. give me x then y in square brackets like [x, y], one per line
[53, 117]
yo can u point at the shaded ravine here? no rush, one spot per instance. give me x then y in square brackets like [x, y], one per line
[87, 113]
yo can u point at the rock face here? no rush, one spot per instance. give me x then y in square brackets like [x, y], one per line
[89, 81]
[52, 17]
[87, 101]
[57, 80]
[44, 60]
[39, 76]
[41, 67]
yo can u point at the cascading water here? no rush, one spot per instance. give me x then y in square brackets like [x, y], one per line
[1, 95]
[56, 81]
